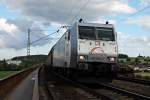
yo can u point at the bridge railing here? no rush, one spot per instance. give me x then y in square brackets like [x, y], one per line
[7, 84]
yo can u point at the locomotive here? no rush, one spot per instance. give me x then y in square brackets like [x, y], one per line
[85, 47]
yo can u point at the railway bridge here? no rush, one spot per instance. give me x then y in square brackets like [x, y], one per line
[36, 83]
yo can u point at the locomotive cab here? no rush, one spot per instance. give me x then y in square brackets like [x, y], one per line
[97, 47]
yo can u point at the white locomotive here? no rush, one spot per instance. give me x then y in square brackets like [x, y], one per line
[86, 47]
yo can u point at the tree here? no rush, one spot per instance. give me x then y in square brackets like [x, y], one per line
[123, 56]
[128, 59]
[136, 60]
[4, 63]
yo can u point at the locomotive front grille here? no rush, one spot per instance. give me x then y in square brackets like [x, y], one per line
[97, 57]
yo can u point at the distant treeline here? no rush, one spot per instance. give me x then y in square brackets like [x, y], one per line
[25, 62]
[31, 58]
[123, 56]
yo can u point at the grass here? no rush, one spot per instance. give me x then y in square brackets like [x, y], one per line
[143, 75]
[4, 74]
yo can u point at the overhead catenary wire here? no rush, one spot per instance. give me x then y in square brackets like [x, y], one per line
[71, 10]
[63, 26]
[56, 31]
[76, 15]
[139, 11]
[81, 9]
[38, 35]
[44, 37]
[41, 30]
[60, 27]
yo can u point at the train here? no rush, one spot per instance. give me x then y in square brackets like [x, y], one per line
[86, 48]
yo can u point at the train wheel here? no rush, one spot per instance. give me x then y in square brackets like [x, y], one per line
[115, 70]
[73, 74]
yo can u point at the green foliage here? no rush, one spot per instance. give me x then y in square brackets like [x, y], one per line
[128, 59]
[134, 60]
[143, 75]
[33, 58]
[8, 67]
[4, 74]
[26, 62]
[124, 68]
[123, 56]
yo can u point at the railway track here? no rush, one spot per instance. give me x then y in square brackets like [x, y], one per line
[136, 96]
[116, 92]
[62, 88]
[132, 79]
[132, 86]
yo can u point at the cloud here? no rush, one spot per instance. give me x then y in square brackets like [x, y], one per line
[104, 21]
[11, 53]
[2, 44]
[144, 2]
[114, 6]
[13, 33]
[7, 27]
[141, 21]
[132, 45]
[128, 40]
[38, 14]
[62, 11]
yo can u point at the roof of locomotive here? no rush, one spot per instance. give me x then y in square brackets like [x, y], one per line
[94, 25]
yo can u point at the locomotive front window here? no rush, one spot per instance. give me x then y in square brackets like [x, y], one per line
[86, 32]
[105, 34]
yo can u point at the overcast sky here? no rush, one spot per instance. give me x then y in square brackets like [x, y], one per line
[16, 16]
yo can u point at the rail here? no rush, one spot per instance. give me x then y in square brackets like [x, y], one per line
[89, 90]
[133, 94]
[110, 87]
[137, 80]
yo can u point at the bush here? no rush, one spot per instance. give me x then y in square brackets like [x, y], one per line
[146, 70]
[138, 76]
[145, 77]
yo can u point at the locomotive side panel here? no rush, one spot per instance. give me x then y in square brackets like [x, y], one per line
[59, 53]
[48, 62]
[67, 49]
[73, 34]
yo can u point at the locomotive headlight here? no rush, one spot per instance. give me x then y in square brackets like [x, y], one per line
[82, 58]
[111, 59]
